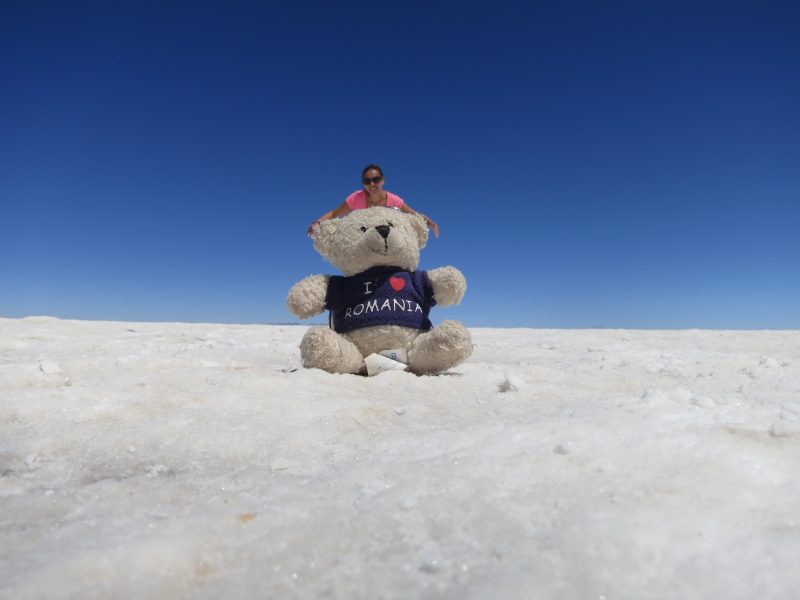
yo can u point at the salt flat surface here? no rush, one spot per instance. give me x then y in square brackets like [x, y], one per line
[185, 460]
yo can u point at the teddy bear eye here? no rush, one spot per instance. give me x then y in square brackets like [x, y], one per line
[390, 223]
[363, 228]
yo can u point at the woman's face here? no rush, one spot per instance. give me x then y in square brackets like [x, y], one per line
[372, 180]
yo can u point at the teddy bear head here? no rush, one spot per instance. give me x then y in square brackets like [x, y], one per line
[371, 237]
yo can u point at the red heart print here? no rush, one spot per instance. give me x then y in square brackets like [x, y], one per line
[397, 283]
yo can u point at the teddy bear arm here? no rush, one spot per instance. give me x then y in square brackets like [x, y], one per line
[449, 285]
[307, 296]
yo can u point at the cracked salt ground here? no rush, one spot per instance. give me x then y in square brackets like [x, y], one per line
[182, 460]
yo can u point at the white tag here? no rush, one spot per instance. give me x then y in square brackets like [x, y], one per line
[376, 363]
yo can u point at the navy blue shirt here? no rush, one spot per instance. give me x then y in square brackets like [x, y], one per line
[380, 296]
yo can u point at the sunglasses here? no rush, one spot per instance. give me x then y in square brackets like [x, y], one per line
[368, 180]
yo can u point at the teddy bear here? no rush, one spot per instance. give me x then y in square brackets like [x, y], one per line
[381, 301]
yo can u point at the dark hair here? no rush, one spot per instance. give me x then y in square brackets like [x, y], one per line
[368, 167]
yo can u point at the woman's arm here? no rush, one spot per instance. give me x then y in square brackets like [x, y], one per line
[339, 211]
[430, 222]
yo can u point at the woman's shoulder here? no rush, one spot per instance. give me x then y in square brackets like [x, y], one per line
[393, 200]
[357, 199]
[357, 194]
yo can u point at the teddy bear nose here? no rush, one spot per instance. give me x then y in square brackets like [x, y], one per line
[383, 230]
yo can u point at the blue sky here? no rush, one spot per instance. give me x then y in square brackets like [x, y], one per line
[591, 164]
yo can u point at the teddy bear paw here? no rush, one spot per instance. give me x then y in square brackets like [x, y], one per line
[323, 348]
[447, 345]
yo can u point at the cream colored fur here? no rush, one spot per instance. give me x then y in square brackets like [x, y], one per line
[353, 244]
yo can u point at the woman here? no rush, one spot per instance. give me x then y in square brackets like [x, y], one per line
[373, 194]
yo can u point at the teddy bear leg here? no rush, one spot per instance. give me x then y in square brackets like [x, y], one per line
[439, 349]
[323, 348]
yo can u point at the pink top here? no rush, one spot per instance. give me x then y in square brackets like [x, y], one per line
[358, 200]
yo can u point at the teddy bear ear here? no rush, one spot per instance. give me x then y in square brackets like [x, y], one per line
[323, 235]
[420, 228]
